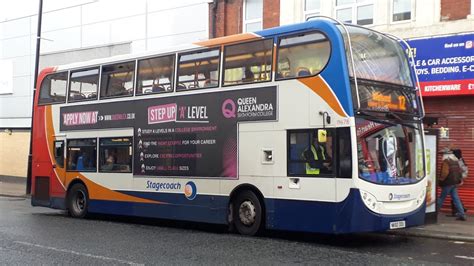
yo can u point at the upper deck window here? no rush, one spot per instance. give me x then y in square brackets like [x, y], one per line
[53, 89]
[155, 75]
[377, 57]
[198, 70]
[117, 80]
[248, 62]
[83, 85]
[302, 55]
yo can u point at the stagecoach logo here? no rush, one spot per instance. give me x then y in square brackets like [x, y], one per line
[190, 190]
[392, 196]
[247, 107]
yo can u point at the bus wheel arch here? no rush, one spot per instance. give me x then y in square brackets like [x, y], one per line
[77, 199]
[246, 210]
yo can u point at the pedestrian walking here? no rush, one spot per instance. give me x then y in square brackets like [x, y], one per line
[464, 171]
[449, 178]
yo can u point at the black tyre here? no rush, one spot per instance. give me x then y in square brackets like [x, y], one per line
[247, 213]
[78, 201]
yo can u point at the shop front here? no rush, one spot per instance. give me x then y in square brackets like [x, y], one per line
[445, 68]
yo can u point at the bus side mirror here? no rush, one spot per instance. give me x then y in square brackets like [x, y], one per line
[327, 116]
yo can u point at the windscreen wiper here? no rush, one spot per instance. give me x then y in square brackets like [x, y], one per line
[375, 118]
[388, 115]
[400, 120]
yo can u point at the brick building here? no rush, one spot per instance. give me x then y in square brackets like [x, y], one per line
[448, 89]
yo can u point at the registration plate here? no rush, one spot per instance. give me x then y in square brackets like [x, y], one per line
[397, 225]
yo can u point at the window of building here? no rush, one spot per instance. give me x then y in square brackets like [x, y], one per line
[198, 70]
[82, 155]
[248, 62]
[117, 80]
[115, 155]
[311, 8]
[311, 152]
[83, 85]
[472, 7]
[53, 89]
[155, 75]
[359, 12]
[401, 10]
[303, 55]
[253, 13]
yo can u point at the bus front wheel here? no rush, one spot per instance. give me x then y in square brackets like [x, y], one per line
[78, 201]
[247, 213]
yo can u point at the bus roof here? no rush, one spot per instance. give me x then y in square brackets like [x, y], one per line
[242, 37]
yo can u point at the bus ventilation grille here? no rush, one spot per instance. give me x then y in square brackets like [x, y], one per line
[42, 188]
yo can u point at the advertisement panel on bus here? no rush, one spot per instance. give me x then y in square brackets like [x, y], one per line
[190, 135]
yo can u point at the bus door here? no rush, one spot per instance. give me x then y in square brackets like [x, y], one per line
[343, 165]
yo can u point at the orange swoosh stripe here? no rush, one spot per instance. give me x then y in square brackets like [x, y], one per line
[228, 39]
[50, 137]
[99, 192]
[320, 87]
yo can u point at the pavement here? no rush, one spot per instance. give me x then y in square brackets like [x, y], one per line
[12, 186]
[447, 228]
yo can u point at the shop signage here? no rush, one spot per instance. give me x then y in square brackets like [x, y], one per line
[445, 65]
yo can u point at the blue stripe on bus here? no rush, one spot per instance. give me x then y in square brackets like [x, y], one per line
[335, 70]
[197, 213]
[348, 216]
[203, 208]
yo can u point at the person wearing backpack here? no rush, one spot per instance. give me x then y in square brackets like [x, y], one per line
[464, 171]
[449, 178]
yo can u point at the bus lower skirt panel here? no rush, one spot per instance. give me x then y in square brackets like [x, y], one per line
[348, 216]
[54, 203]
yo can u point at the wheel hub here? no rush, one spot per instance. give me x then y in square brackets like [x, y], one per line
[80, 201]
[247, 213]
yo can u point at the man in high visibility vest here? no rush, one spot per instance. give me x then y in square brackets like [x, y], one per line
[317, 158]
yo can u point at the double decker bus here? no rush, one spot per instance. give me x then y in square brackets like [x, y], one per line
[309, 127]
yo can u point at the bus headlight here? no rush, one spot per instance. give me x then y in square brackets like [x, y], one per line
[369, 200]
[421, 197]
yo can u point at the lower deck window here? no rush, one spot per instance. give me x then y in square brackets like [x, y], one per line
[320, 152]
[115, 155]
[310, 152]
[82, 155]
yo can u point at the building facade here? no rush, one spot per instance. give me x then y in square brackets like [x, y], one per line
[78, 30]
[441, 33]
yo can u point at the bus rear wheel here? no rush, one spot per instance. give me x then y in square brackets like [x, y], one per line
[247, 213]
[78, 201]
